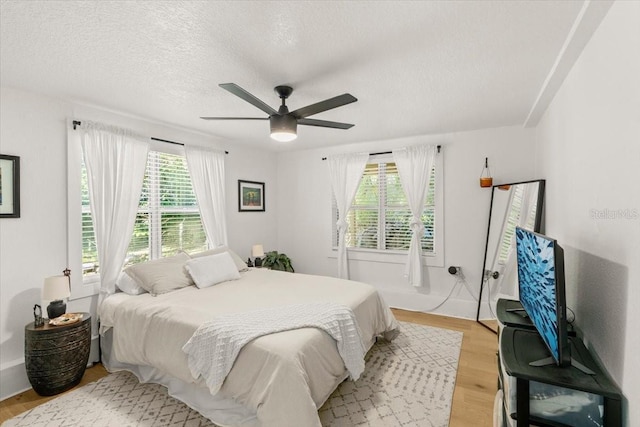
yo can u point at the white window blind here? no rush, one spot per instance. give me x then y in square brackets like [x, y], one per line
[168, 218]
[379, 217]
[513, 219]
[89, 249]
[513, 216]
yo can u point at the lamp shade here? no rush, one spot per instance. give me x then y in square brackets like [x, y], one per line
[283, 128]
[56, 288]
[257, 251]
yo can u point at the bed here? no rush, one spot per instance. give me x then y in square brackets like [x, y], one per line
[280, 379]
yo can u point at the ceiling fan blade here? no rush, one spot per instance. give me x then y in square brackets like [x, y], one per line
[324, 124]
[235, 118]
[327, 104]
[238, 91]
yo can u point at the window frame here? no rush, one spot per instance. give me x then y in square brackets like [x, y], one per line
[86, 286]
[436, 259]
[155, 211]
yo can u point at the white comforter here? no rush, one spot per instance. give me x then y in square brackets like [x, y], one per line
[284, 377]
[213, 348]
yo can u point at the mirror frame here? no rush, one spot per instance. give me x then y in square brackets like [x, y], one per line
[537, 227]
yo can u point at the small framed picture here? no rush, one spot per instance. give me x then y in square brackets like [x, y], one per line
[250, 196]
[9, 186]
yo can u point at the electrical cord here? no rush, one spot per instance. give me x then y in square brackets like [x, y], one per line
[453, 288]
[573, 316]
[488, 286]
[459, 279]
[466, 285]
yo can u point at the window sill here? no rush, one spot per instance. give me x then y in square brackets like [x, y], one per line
[89, 285]
[388, 257]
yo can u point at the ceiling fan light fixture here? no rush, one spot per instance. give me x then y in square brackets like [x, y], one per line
[284, 124]
[284, 128]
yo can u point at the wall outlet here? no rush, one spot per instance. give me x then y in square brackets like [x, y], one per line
[455, 270]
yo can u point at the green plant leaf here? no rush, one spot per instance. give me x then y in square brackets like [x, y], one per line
[276, 261]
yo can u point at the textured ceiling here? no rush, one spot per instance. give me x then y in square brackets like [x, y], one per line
[415, 67]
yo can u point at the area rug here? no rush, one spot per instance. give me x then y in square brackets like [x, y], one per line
[407, 382]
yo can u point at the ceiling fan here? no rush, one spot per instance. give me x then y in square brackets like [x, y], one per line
[283, 123]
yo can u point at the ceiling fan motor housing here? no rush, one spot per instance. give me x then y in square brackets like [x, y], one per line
[283, 124]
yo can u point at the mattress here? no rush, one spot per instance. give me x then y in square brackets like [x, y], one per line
[279, 379]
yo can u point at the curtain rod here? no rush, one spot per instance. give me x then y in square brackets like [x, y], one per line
[78, 123]
[388, 152]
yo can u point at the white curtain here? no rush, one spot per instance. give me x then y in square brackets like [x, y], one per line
[206, 168]
[345, 172]
[115, 160]
[414, 167]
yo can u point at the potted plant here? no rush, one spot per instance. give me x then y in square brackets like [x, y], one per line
[276, 261]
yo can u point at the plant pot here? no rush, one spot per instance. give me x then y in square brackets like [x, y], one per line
[486, 182]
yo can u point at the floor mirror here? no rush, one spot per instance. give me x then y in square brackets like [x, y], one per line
[515, 204]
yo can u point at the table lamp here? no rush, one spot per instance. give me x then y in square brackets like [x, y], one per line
[55, 289]
[257, 252]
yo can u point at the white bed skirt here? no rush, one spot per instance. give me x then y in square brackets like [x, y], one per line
[222, 411]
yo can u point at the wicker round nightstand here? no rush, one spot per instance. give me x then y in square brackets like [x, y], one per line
[56, 356]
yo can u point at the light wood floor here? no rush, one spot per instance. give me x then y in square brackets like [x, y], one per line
[476, 381]
[30, 399]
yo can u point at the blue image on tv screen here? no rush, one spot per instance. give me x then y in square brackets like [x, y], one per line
[537, 285]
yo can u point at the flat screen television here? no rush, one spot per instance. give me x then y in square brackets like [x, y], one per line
[542, 292]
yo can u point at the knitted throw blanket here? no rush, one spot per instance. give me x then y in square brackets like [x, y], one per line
[214, 346]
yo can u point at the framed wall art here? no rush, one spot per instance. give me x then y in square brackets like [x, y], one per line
[250, 196]
[9, 186]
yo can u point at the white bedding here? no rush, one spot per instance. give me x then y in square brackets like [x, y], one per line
[213, 348]
[283, 377]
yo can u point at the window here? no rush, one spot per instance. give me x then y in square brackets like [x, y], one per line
[379, 217]
[512, 220]
[168, 218]
[513, 217]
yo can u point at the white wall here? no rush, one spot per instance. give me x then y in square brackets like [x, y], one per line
[589, 150]
[34, 246]
[304, 220]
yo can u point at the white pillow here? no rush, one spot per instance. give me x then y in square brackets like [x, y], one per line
[161, 275]
[213, 269]
[127, 285]
[242, 266]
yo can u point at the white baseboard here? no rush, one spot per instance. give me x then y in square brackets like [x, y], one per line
[13, 375]
[13, 379]
[453, 307]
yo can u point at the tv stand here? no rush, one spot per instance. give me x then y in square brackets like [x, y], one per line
[519, 347]
[511, 313]
[550, 361]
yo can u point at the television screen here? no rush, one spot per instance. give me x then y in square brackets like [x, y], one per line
[542, 291]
